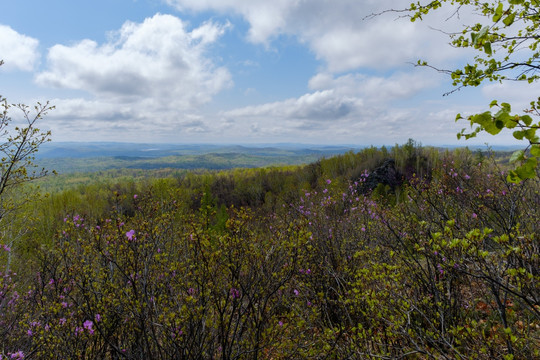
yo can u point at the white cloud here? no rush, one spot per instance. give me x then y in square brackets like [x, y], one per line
[265, 17]
[518, 93]
[157, 59]
[98, 120]
[377, 89]
[320, 105]
[350, 108]
[337, 32]
[18, 51]
[148, 80]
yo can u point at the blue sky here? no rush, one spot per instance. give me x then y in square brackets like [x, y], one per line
[238, 71]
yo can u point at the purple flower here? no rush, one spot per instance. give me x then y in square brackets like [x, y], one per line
[328, 181]
[98, 318]
[131, 235]
[296, 292]
[235, 293]
[135, 196]
[88, 326]
[17, 355]
[439, 267]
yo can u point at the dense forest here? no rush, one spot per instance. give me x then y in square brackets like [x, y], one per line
[408, 252]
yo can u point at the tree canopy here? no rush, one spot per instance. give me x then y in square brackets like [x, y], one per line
[506, 39]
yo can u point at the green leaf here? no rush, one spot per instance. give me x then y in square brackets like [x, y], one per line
[513, 177]
[487, 48]
[509, 20]
[493, 103]
[527, 120]
[487, 121]
[517, 156]
[498, 13]
[476, 37]
[530, 134]
[527, 170]
[518, 134]
[535, 150]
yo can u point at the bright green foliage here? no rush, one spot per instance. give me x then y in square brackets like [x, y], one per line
[171, 269]
[17, 150]
[507, 42]
[18, 145]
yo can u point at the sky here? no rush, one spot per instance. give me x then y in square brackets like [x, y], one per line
[240, 71]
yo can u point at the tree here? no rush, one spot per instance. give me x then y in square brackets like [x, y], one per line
[17, 149]
[507, 44]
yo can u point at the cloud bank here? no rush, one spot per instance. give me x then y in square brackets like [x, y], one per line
[18, 51]
[153, 72]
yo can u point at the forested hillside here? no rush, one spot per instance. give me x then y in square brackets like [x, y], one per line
[408, 252]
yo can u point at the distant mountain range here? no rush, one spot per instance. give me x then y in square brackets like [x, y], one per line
[71, 157]
[135, 150]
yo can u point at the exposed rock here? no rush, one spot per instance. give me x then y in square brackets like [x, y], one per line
[386, 174]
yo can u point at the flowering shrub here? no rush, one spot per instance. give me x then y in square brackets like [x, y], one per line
[447, 269]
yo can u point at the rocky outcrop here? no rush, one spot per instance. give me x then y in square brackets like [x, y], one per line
[386, 174]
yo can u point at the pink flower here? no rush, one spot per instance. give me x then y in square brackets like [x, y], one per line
[88, 326]
[17, 355]
[135, 196]
[131, 235]
[474, 215]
